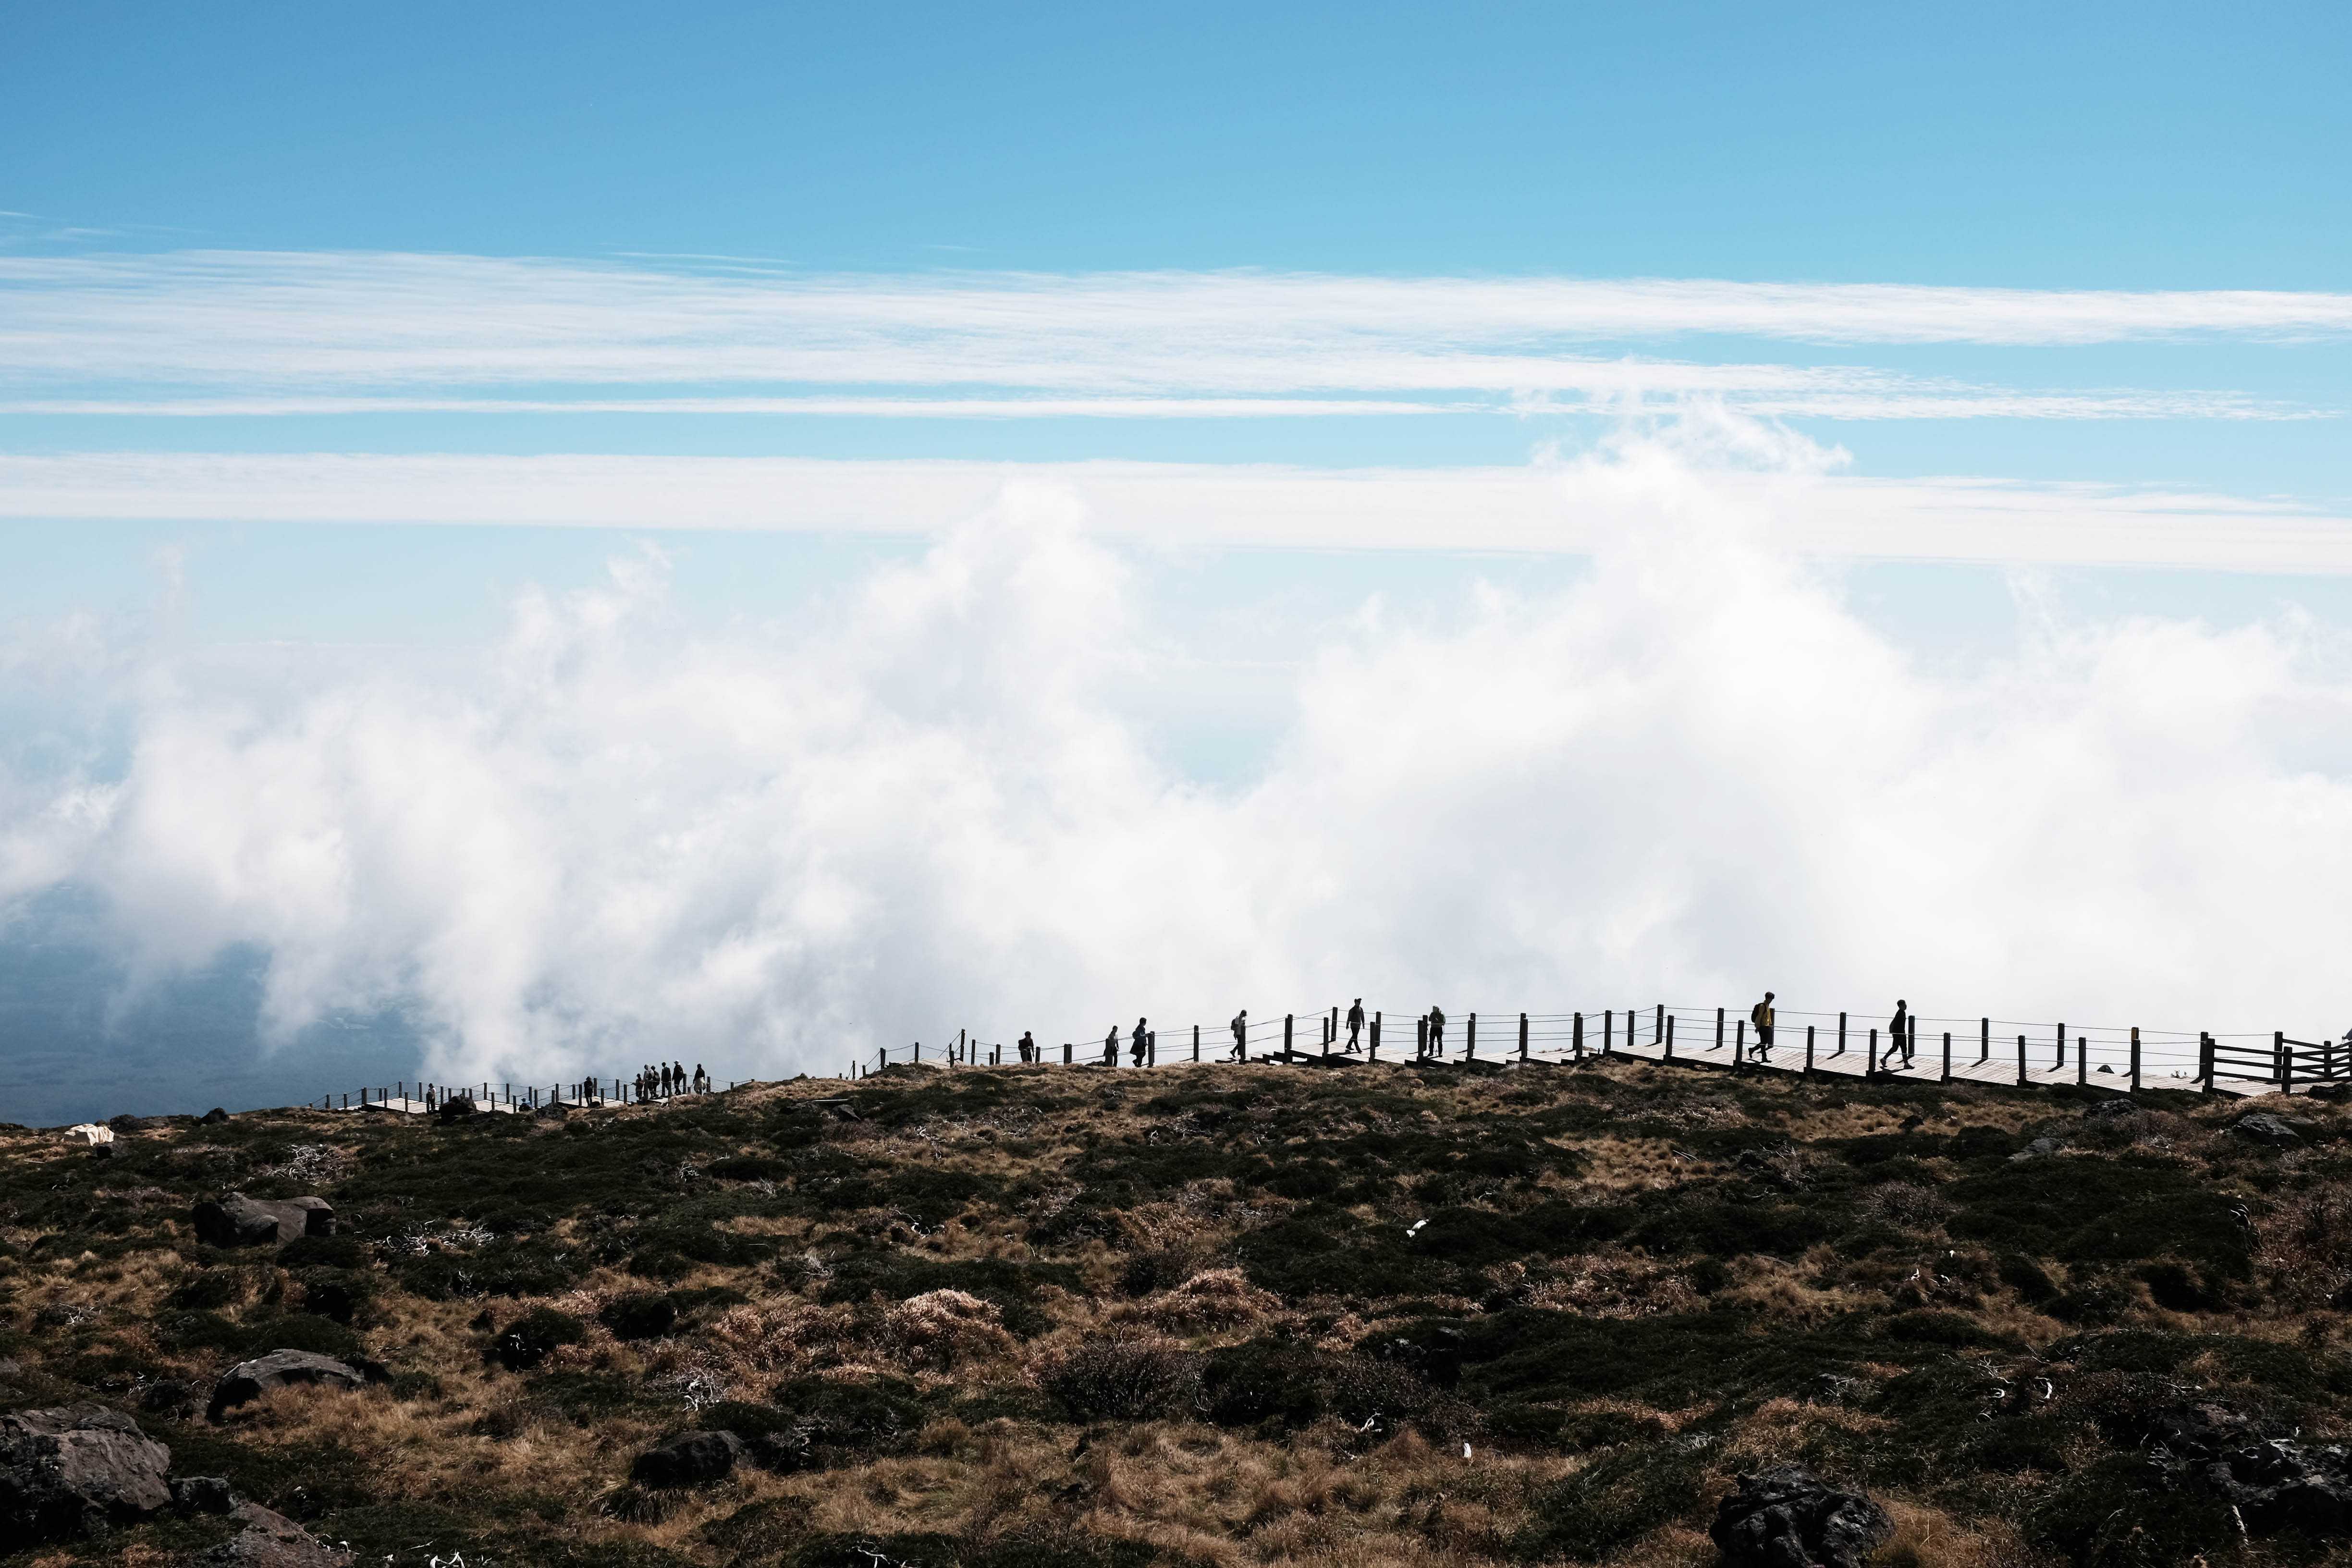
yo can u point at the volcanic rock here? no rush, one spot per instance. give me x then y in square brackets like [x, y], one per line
[236, 1220]
[201, 1494]
[250, 1380]
[269, 1541]
[2264, 1128]
[1788, 1517]
[2275, 1483]
[75, 1469]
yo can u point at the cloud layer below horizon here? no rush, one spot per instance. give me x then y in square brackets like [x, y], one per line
[929, 805]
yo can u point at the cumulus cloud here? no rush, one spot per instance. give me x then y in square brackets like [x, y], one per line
[932, 803]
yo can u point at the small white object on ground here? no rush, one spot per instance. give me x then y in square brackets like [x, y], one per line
[91, 1132]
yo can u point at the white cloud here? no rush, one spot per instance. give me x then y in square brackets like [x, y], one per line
[1543, 506]
[290, 331]
[929, 805]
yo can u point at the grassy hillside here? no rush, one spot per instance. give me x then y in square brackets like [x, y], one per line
[1049, 1317]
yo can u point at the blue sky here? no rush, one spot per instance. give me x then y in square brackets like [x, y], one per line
[345, 353]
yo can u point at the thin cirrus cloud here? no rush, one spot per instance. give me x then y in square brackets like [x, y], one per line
[343, 332]
[1804, 504]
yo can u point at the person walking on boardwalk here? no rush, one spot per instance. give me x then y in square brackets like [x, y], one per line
[1436, 1031]
[1135, 1043]
[1111, 1048]
[1241, 1035]
[1028, 1045]
[1355, 1025]
[677, 1076]
[1899, 1031]
[1760, 1015]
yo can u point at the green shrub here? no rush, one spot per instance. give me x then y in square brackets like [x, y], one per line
[1293, 1385]
[323, 1252]
[1116, 1378]
[2124, 1511]
[1614, 1501]
[532, 1338]
[643, 1315]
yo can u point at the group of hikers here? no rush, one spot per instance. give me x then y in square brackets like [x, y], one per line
[662, 1079]
[1902, 1032]
[1142, 1041]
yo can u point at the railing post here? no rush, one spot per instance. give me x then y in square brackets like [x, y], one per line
[2081, 1059]
[1377, 1016]
[1286, 1035]
[1841, 1050]
[1870, 1062]
[2062, 1048]
[1608, 1034]
[2020, 1061]
[1326, 1039]
[2135, 1059]
[1669, 1029]
[2205, 1061]
[1809, 1051]
[2278, 1058]
[1718, 1034]
[1470, 1039]
[1948, 1058]
[1658, 1035]
[1196, 1042]
[1523, 1037]
[1738, 1039]
[1575, 1037]
[1420, 1038]
[1984, 1041]
[1065, 1052]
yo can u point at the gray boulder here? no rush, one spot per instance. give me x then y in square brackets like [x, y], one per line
[2269, 1130]
[250, 1380]
[269, 1541]
[236, 1220]
[690, 1460]
[1789, 1518]
[73, 1470]
[2109, 1110]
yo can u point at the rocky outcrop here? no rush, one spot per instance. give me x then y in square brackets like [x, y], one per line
[250, 1380]
[236, 1220]
[690, 1460]
[269, 1540]
[1788, 1517]
[2275, 1483]
[76, 1469]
